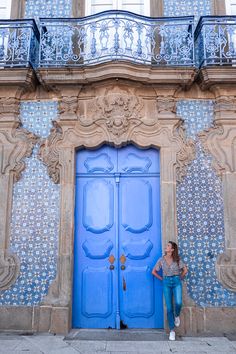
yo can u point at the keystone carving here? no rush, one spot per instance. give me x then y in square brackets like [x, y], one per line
[118, 111]
[9, 269]
[49, 153]
[14, 149]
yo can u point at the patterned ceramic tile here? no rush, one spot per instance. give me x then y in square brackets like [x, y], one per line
[200, 214]
[48, 8]
[175, 8]
[35, 217]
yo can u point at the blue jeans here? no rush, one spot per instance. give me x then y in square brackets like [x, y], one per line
[172, 287]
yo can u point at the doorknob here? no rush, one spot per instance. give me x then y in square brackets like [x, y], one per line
[122, 259]
[111, 260]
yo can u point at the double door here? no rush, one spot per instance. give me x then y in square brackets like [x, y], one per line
[117, 239]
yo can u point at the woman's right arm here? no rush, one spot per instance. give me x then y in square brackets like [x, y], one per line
[156, 269]
[154, 272]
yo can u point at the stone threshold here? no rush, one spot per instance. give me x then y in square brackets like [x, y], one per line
[117, 335]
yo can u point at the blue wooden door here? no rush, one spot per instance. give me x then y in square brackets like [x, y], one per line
[117, 239]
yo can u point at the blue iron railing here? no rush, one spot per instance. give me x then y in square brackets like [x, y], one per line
[215, 41]
[116, 35]
[19, 43]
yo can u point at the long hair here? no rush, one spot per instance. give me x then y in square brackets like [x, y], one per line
[175, 254]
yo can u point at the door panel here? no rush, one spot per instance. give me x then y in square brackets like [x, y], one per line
[132, 306]
[97, 292]
[117, 239]
[136, 205]
[98, 195]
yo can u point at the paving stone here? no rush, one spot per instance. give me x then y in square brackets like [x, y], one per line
[94, 346]
[138, 346]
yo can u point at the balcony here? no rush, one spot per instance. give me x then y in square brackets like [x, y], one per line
[19, 43]
[215, 46]
[116, 35]
[121, 44]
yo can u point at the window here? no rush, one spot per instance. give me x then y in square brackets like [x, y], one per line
[5, 9]
[230, 7]
[141, 7]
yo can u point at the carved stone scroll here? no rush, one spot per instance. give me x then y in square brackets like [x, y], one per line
[9, 269]
[187, 153]
[14, 149]
[226, 269]
[49, 154]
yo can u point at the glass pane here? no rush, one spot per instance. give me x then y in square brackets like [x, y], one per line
[5, 9]
[99, 6]
[136, 6]
[233, 9]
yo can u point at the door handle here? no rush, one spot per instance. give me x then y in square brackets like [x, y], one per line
[111, 260]
[122, 259]
[124, 284]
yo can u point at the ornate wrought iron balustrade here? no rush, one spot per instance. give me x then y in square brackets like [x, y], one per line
[19, 43]
[215, 41]
[116, 35]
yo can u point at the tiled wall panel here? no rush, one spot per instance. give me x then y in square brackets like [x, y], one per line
[48, 8]
[174, 8]
[200, 214]
[35, 217]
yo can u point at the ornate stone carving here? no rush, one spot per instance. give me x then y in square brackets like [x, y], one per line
[15, 148]
[49, 154]
[186, 154]
[9, 269]
[166, 104]
[68, 107]
[226, 269]
[220, 142]
[117, 111]
[9, 106]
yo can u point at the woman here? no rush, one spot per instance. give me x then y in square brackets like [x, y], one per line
[174, 271]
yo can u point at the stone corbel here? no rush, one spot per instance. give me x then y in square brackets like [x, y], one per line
[68, 101]
[220, 142]
[15, 145]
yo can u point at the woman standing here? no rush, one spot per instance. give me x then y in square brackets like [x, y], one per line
[174, 271]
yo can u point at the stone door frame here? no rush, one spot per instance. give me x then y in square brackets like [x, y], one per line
[115, 117]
